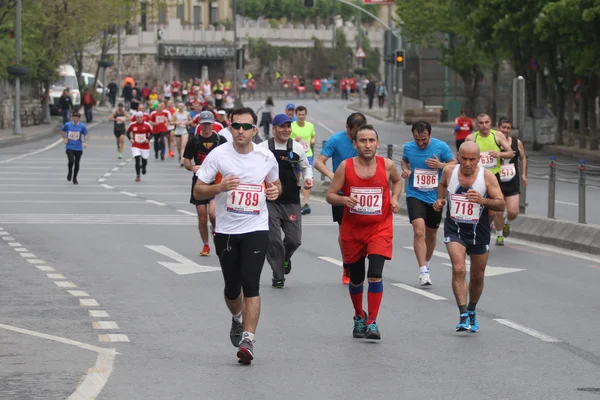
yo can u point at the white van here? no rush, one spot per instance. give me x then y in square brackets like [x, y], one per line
[88, 81]
[67, 78]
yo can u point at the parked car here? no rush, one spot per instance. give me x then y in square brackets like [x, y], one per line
[66, 79]
[88, 81]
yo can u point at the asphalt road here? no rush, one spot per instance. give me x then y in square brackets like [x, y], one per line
[91, 301]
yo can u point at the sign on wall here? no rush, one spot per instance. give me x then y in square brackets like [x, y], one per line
[194, 51]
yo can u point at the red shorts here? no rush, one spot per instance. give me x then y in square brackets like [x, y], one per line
[353, 250]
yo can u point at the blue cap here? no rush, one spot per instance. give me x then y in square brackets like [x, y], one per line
[281, 119]
[290, 106]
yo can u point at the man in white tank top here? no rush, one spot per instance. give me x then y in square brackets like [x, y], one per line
[469, 191]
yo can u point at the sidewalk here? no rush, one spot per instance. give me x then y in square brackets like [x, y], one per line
[29, 133]
[376, 112]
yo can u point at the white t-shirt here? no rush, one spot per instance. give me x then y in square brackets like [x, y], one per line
[226, 133]
[297, 148]
[167, 90]
[244, 209]
[181, 117]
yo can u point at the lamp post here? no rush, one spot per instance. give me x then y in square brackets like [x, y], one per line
[17, 117]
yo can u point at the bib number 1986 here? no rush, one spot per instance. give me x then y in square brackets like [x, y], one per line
[246, 199]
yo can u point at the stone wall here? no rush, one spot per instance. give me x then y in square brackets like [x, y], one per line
[31, 105]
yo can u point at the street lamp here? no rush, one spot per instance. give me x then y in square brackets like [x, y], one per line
[17, 71]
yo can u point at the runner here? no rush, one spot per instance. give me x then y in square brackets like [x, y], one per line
[245, 174]
[119, 116]
[285, 213]
[340, 147]
[74, 134]
[367, 229]
[290, 110]
[317, 87]
[181, 120]
[509, 182]
[140, 144]
[463, 128]
[423, 160]
[159, 120]
[171, 129]
[199, 146]
[470, 191]
[304, 133]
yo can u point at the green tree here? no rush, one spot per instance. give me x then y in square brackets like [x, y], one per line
[294, 10]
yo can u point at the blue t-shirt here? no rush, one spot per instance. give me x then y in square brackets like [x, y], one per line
[192, 129]
[74, 136]
[416, 158]
[339, 148]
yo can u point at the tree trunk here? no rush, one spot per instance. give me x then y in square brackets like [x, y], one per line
[570, 103]
[46, 119]
[79, 64]
[470, 98]
[560, 114]
[583, 119]
[494, 90]
[592, 116]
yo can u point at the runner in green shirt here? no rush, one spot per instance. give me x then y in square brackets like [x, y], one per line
[304, 132]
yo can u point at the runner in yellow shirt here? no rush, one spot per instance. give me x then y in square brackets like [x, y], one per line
[304, 132]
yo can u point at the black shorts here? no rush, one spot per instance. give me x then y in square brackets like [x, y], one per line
[472, 249]
[193, 199]
[337, 212]
[242, 257]
[317, 91]
[118, 134]
[458, 143]
[419, 209]
[511, 188]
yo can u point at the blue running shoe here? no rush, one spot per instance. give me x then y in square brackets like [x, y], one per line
[463, 323]
[360, 329]
[473, 321]
[373, 331]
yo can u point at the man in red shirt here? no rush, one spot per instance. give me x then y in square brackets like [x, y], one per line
[367, 227]
[317, 87]
[159, 120]
[217, 126]
[140, 143]
[352, 84]
[463, 128]
[175, 86]
[343, 86]
[142, 109]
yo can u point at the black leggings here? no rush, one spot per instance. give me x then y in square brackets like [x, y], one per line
[357, 269]
[139, 164]
[74, 156]
[159, 143]
[242, 257]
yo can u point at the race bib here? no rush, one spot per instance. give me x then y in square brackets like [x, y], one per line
[487, 161]
[507, 172]
[425, 179]
[140, 138]
[305, 145]
[370, 200]
[73, 135]
[160, 120]
[246, 199]
[120, 120]
[219, 96]
[464, 211]
[170, 127]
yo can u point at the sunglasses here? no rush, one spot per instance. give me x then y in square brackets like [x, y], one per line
[247, 127]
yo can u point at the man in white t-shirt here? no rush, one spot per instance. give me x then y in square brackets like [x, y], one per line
[244, 176]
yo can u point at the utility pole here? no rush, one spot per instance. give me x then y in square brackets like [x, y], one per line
[17, 116]
[238, 100]
[118, 58]
[390, 64]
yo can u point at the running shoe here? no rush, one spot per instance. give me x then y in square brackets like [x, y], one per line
[245, 352]
[69, 176]
[171, 154]
[277, 283]
[235, 333]
[425, 279]
[305, 209]
[473, 321]
[463, 323]
[75, 181]
[506, 230]
[205, 250]
[373, 331]
[137, 178]
[120, 156]
[500, 241]
[144, 170]
[360, 329]
[288, 266]
[162, 157]
[346, 276]
[156, 155]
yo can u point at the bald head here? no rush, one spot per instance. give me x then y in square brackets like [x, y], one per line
[468, 156]
[470, 148]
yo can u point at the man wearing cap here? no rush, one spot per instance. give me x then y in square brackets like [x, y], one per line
[140, 143]
[284, 212]
[203, 142]
[290, 110]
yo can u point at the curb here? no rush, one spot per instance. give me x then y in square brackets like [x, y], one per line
[564, 234]
[368, 113]
[571, 152]
[10, 141]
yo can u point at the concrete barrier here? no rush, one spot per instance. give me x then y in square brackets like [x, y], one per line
[564, 234]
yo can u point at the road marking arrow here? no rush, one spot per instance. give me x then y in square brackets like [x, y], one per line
[183, 266]
[489, 270]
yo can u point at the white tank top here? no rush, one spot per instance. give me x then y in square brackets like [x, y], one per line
[181, 117]
[478, 185]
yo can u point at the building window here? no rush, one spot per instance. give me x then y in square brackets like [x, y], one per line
[162, 14]
[180, 13]
[197, 16]
[214, 13]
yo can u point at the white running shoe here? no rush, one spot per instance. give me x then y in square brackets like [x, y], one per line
[424, 279]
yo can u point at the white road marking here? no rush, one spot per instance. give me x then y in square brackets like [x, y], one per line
[78, 293]
[158, 203]
[15, 244]
[115, 169]
[106, 175]
[98, 313]
[123, 163]
[187, 212]
[107, 186]
[3, 233]
[28, 255]
[36, 261]
[54, 144]
[528, 331]
[183, 266]
[129, 194]
[328, 129]
[333, 261]
[45, 268]
[88, 303]
[95, 379]
[105, 325]
[113, 338]
[567, 203]
[55, 276]
[101, 180]
[65, 284]
[20, 249]
[419, 291]
[8, 238]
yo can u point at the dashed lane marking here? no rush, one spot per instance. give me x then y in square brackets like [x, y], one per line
[78, 293]
[98, 313]
[88, 303]
[419, 291]
[528, 331]
[105, 325]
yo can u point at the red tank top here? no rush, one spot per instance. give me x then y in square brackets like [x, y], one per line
[373, 213]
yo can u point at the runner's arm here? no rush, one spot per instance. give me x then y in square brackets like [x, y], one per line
[305, 167]
[112, 117]
[405, 165]
[523, 158]
[443, 189]
[322, 168]
[337, 183]
[508, 152]
[495, 199]
[395, 178]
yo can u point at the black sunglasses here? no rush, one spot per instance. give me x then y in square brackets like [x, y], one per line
[246, 126]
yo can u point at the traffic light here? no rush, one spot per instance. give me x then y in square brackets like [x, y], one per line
[309, 3]
[400, 58]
